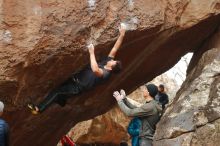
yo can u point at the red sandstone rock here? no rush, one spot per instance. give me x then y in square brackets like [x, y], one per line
[43, 42]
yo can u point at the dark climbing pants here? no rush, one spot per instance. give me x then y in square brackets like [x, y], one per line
[60, 94]
[145, 142]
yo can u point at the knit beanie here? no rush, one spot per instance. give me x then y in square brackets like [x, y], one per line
[1, 106]
[152, 89]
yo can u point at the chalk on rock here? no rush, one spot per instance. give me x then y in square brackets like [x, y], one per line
[123, 26]
[92, 4]
[90, 46]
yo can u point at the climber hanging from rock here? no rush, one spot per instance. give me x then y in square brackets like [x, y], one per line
[86, 79]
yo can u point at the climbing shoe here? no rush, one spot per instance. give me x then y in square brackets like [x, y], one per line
[33, 109]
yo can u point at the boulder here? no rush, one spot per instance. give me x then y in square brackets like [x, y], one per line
[44, 42]
[193, 117]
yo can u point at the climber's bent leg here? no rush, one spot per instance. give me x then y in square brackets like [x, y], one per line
[59, 95]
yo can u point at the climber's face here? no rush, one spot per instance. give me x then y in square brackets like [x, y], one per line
[145, 91]
[160, 89]
[111, 63]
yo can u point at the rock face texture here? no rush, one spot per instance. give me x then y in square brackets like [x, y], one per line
[107, 129]
[193, 119]
[43, 43]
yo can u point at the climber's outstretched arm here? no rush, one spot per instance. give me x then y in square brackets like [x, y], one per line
[94, 65]
[118, 42]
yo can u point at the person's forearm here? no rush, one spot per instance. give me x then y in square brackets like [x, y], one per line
[124, 107]
[93, 62]
[119, 42]
[129, 104]
[117, 45]
[144, 110]
[128, 111]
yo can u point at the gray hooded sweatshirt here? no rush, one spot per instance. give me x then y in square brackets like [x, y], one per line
[149, 113]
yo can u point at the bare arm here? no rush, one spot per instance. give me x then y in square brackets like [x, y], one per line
[118, 43]
[94, 65]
